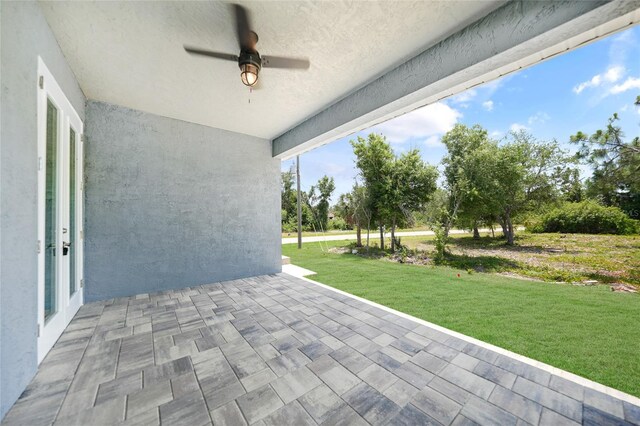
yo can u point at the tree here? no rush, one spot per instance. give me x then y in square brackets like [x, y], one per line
[525, 174]
[353, 208]
[374, 159]
[616, 165]
[410, 185]
[319, 202]
[288, 197]
[464, 170]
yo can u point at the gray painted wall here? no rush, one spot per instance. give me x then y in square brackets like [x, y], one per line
[24, 35]
[170, 204]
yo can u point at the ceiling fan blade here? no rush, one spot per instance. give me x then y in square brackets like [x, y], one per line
[243, 27]
[211, 54]
[282, 62]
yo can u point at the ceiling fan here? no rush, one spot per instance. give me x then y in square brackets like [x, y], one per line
[249, 60]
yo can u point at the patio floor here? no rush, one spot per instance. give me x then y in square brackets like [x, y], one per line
[280, 350]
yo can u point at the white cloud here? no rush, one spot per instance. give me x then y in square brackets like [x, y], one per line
[496, 134]
[488, 105]
[629, 83]
[434, 119]
[516, 127]
[464, 97]
[611, 75]
[538, 118]
[433, 141]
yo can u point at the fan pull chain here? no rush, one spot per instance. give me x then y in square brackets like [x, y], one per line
[250, 92]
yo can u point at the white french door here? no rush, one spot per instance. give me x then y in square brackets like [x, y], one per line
[59, 211]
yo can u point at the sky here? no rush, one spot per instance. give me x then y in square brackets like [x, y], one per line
[554, 99]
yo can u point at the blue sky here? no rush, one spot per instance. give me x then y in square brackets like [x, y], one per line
[554, 99]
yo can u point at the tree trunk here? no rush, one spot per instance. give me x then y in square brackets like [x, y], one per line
[510, 233]
[493, 233]
[368, 232]
[382, 236]
[393, 236]
[476, 231]
[358, 235]
[503, 224]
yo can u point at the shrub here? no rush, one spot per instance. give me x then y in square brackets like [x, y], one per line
[587, 217]
[337, 223]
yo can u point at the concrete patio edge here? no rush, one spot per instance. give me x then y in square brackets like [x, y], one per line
[541, 365]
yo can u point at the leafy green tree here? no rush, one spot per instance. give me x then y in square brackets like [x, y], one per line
[288, 197]
[525, 175]
[465, 168]
[374, 159]
[410, 185]
[319, 202]
[616, 166]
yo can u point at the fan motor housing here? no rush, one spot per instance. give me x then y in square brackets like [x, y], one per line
[252, 58]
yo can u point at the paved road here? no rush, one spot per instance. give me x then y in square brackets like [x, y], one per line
[375, 235]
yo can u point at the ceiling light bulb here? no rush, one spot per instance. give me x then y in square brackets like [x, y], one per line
[249, 74]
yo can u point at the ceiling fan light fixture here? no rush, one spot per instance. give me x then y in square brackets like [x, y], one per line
[249, 74]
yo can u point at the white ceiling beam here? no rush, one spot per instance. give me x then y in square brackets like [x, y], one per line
[516, 35]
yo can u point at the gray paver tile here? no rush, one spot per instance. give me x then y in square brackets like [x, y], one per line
[189, 410]
[315, 349]
[184, 385]
[465, 361]
[429, 362]
[377, 377]
[121, 386]
[148, 398]
[495, 374]
[258, 379]
[414, 374]
[351, 359]
[515, 404]
[321, 403]
[295, 384]
[551, 418]
[290, 414]
[400, 392]
[450, 390]
[461, 420]
[373, 406]
[288, 361]
[484, 413]
[228, 415]
[411, 415]
[594, 417]
[467, 380]
[631, 412]
[167, 371]
[564, 405]
[436, 405]
[109, 412]
[217, 395]
[567, 387]
[604, 402]
[259, 403]
[345, 416]
[148, 418]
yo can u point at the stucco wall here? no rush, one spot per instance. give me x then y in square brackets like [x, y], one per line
[170, 204]
[24, 35]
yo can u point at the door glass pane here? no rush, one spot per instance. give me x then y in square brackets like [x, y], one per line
[72, 212]
[50, 269]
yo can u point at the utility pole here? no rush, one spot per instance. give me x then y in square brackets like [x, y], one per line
[299, 202]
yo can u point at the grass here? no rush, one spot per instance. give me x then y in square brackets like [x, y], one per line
[589, 331]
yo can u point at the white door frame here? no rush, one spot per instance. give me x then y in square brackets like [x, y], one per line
[66, 305]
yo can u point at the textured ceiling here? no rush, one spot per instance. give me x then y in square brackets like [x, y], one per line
[130, 53]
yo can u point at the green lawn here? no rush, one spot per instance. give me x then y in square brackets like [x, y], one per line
[589, 331]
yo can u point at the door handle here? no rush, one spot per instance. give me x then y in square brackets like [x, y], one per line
[65, 247]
